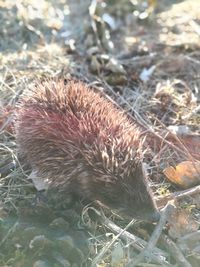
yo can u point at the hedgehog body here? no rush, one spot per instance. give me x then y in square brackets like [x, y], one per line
[83, 144]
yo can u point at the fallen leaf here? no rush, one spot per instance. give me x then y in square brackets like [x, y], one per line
[185, 174]
[181, 222]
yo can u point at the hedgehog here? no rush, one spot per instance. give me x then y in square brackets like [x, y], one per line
[82, 143]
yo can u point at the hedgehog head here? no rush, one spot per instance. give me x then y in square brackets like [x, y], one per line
[121, 183]
[131, 195]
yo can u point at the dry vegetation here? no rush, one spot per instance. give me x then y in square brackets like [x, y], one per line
[145, 56]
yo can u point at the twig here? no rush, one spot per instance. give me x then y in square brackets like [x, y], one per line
[139, 244]
[174, 251]
[137, 60]
[161, 201]
[105, 249]
[194, 236]
[190, 114]
[147, 252]
[195, 26]
[10, 231]
[92, 10]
